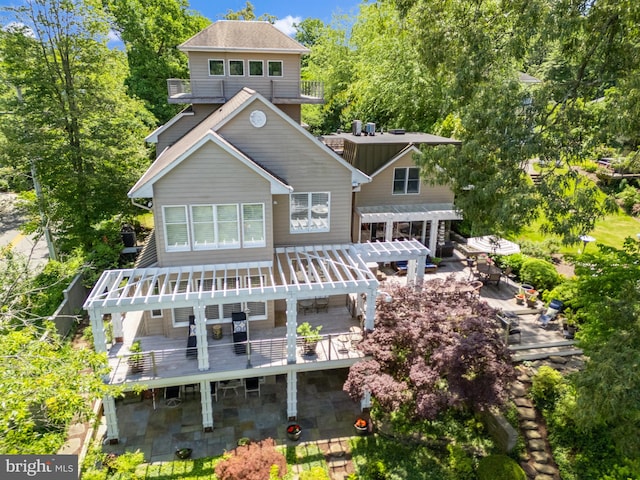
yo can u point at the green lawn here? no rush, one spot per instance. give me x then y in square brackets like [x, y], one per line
[611, 230]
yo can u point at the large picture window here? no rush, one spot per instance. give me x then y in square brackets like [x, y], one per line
[309, 212]
[215, 226]
[216, 67]
[406, 180]
[176, 230]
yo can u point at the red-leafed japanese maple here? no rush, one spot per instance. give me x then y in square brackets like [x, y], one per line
[433, 348]
[255, 461]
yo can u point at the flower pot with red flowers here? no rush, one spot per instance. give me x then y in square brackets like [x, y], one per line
[361, 426]
[294, 431]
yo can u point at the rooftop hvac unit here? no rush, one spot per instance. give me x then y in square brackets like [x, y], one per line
[356, 127]
[370, 129]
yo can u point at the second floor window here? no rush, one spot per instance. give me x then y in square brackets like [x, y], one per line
[406, 180]
[236, 68]
[208, 227]
[275, 68]
[216, 67]
[309, 212]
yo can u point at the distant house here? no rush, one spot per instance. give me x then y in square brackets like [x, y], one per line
[257, 225]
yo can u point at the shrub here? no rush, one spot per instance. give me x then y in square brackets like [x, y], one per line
[460, 462]
[316, 473]
[628, 198]
[500, 467]
[514, 261]
[539, 273]
[546, 387]
[252, 462]
[590, 166]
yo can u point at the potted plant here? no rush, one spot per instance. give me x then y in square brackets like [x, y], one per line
[294, 431]
[310, 337]
[520, 298]
[361, 426]
[184, 453]
[136, 359]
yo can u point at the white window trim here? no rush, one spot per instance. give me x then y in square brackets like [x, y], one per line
[309, 229]
[245, 243]
[281, 68]
[243, 67]
[173, 248]
[216, 60]
[153, 314]
[249, 69]
[406, 181]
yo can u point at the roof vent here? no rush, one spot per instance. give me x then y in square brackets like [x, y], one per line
[397, 131]
[356, 127]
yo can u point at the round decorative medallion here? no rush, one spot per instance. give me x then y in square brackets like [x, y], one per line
[257, 118]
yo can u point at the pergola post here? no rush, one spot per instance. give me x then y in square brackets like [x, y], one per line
[207, 406]
[370, 314]
[201, 335]
[97, 326]
[292, 314]
[111, 418]
[292, 395]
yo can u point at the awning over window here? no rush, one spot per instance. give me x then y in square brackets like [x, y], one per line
[408, 213]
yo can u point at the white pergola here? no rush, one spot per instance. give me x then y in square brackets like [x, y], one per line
[295, 273]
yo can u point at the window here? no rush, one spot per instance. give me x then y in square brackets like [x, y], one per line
[236, 68]
[215, 226]
[156, 313]
[256, 68]
[216, 67]
[253, 225]
[275, 68]
[175, 228]
[181, 314]
[309, 212]
[406, 180]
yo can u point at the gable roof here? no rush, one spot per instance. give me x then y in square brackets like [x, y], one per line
[207, 131]
[410, 147]
[238, 35]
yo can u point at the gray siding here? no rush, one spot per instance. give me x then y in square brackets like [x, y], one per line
[211, 176]
[301, 162]
[379, 191]
[174, 132]
[288, 85]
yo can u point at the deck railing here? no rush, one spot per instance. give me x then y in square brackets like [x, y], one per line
[225, 358]
[215, 88]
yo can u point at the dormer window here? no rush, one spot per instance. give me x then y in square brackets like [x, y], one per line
[236, 68]
[216, 67]
[275, 68]
[256, 68]
[406, 181]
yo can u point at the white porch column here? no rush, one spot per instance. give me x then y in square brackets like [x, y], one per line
[117, 320]
[365, 401]
[433, 236]
[292, 314]
[207, 406]
[292, 395]
[360, 305]
[388, 231]
[422, 260]
[97, 326]
[370, 314]
[109, 404]
[411, 271]
[201, 335]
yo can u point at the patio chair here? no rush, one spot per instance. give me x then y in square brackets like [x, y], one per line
[239, 322]
[172, 396]
[401, 267]
[192, 340]
[251, 385]
[322, 303]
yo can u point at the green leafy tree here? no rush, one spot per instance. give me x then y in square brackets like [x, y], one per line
[151, 31]
[248, 13]
[72, 119]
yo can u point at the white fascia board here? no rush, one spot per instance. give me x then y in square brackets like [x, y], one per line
[204, 48]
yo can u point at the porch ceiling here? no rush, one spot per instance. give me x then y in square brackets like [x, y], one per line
[408, 213]
[299, 272]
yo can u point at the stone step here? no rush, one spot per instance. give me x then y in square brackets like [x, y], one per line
[540, 355]
[536, 346]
